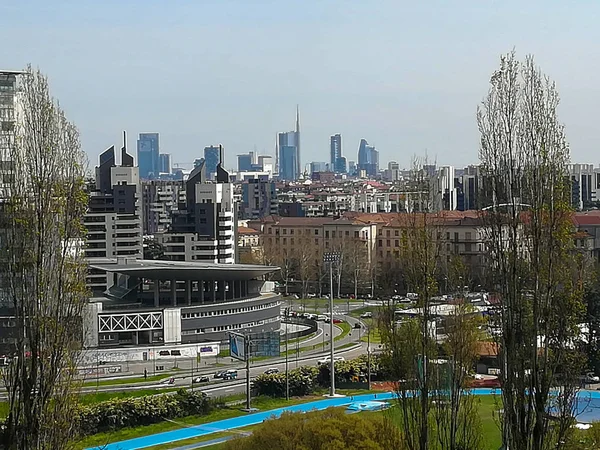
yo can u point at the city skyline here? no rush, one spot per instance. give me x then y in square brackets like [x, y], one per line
[411, 87]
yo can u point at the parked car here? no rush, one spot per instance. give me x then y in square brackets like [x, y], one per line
[271, 370]
[321, 317]
[366, 315]
[219, 374]
[230, 374]
[312, 316]
[202, 379]
[327, 360]
[337, 320]
[357, 325]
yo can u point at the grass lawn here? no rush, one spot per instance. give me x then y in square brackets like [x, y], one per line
[345, 327]
[126, 380]
[374, 338]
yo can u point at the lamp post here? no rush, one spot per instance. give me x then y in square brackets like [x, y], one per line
[331, 259]
[287, 380]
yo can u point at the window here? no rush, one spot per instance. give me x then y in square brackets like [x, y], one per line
[380, 243]
[292, 231]
[316, 231]
[396, 233]
[270, 230]
[448, 235]
[387, 243]
[387, 233]
[333, 234]
[202, 220]
[468, 236]
[284, 241]
[380, 232]
[347, 233]
[327, 234]
[202, 211]
[285, 231]
[292, 241]
[468, 247]
[356, 234]
[396, 243]
[316, 242]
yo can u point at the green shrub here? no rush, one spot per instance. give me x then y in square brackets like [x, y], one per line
[115, 414]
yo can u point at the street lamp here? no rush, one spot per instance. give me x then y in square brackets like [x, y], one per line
[287, 380]
[331, 259]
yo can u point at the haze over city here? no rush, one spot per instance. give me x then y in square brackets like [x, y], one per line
[407, 76]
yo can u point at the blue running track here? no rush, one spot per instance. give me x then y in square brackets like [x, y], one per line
[588, 410]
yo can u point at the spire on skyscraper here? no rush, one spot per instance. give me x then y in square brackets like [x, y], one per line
[298, 162]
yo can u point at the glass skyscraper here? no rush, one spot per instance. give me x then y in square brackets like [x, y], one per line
[147, 153]
[211, 156]
[288, 163]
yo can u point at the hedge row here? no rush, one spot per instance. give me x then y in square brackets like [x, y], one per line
[304, 380]
[115, 414]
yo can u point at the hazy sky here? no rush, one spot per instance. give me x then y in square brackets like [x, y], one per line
[407, 76]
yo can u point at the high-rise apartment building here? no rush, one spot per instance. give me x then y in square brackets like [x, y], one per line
[164, 163]
[368, 158]
[160, 199]
[204, 225]
[211, 158]
[289, 139]
[288, 163]
[148, 155]
[9, 106]
[259, 198]
[114, 216]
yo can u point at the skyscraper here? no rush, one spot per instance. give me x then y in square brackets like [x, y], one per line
[335, 150]
[288, 163]
[290, 139]
[245, 162]
[147, 152]
[211, 157]
[368, 158]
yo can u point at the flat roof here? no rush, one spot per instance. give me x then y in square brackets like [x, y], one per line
[12, 72]
[182, 270]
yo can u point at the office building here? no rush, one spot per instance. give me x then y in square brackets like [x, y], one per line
[392, 173]
[211, 158]
[352, 168]
[341, 166]
[368, 159]
[265, 163]
[203, 227]
[585, 185]
[288, 164]
[114, 217]
[445, 190]
[289, 139]
[317, 166]
[147, 153]
[335, 150]
[164, 163]
[246, 162]
[259, 198]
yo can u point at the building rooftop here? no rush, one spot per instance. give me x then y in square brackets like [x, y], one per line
[180, 270]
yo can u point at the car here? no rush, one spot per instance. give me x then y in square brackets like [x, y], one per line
[202, 379]
[312, 316]
[337, 320]
[327, 360]
[271, 370]
[321, 317]
[219, 374]
[366, 315]
[357, 325]
[590, 378]
[230, 374]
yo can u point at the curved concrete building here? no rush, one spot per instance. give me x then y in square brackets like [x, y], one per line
[169, 302]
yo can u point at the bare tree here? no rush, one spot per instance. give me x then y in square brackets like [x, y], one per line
[43, 270]
[528, 224]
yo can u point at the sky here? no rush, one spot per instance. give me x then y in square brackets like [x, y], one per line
[405, 75]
